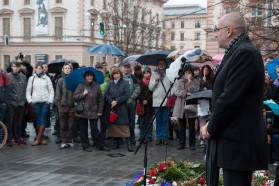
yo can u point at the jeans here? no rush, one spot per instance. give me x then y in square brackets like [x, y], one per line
[144, 122]
[3, 108]
[162, 122]
[275, 145]
[42, 113]
[132, 116]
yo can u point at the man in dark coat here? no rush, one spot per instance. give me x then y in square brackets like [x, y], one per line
[236, 121]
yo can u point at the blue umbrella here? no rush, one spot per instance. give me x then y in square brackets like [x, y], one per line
[105, 49]
[76, 77]
[273, 106]
[271, 68]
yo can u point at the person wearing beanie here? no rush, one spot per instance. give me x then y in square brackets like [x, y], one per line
[65, 103]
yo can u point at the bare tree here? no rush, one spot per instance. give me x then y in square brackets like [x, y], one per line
[131, 26]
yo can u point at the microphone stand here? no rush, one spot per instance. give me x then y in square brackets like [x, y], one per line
[144, 140]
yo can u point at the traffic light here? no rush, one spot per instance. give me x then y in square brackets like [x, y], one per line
[102, 28]
[6, 40]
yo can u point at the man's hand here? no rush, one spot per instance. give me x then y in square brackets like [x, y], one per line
[204, 132]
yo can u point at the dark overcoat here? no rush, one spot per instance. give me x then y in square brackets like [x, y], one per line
[237, 102]
[93, 101]
[119, 92]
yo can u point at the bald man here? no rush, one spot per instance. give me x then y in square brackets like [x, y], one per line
[236, 125]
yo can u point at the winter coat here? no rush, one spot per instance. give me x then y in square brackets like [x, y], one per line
[17, 89]
[119, 92]
[183, 86]
[158, 90]
[63, 97]
[236, 122]
[146, 94]
[134, 87]
[41, 88]
[93, 101]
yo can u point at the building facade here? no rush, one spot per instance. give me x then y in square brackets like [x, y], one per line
[183, 27]
[44, 30]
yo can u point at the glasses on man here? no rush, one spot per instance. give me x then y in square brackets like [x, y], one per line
[216, 29]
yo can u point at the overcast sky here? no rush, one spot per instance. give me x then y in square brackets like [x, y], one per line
[179, 2]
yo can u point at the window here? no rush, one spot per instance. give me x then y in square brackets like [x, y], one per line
[164, 25]
[91, 61]
[172, 36]
[7, 60]
[181, 47]
[197, 24]
[164, 36]
[6, 2]
[196, 46]
[58, 57]
[104, 4]
[6, 26]
[26, 2]
[197, 36]
[58, 27]
[27, 58]
[173, 48]
[257, 12]
[27, 27]
[58, 1]
[229, 10]
[104, 59]
[92, 2]
[172, 24]
[182, 24]
[181, 36]
[114, 60]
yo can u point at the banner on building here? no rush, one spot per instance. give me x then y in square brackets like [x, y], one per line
[41, 17]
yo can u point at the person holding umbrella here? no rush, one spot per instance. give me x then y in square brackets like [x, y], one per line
[90, 93]
[159, 84]
[236, 133]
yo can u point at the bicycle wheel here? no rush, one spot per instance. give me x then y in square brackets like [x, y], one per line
[3, 135]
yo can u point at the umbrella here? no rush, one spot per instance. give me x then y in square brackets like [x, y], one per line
[218, 58]
[131, 60]
[193, 98]
[271, 68]
[212, 171]
[273, 106]
[105, 49]
[152, 57]
[76, 77]
[55, 66]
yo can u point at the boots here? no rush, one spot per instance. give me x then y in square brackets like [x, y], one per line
[116, 143]
[129, 145]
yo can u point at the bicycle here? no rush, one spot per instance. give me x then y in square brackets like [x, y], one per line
[3, 135]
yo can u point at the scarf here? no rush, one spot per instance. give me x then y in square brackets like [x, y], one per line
[162, 73]
[146, 81]
[116, 81]
[40, 74]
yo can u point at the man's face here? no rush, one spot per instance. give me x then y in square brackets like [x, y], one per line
[126, 69]
[221, 36]
[15, 69]
[161, 65]
[67, 69]
[45, 68]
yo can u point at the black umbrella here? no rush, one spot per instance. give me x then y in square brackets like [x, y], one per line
[152, 57]
[193, 98]
[55, 66]
[212, 171]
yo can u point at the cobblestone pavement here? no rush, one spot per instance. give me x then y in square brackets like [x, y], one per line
[48, 165]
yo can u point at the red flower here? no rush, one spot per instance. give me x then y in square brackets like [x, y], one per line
[152, 172]
[161, 167]
[202, 180]
[151, 181]
[169, 163]
[266, 174]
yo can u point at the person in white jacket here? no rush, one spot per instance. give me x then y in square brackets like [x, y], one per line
[40, 94]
